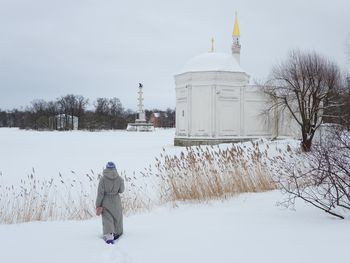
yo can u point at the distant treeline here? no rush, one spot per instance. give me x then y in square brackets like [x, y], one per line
[107, 113]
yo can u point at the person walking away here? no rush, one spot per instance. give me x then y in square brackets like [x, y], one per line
[108, 203]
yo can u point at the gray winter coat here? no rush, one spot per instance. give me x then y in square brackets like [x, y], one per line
[109, 188]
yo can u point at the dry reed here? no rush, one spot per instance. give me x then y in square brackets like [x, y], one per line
[66, 197]
[208, 172]
[197, 174]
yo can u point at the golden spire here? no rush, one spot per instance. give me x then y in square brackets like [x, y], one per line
[235, 32]
[212, 45]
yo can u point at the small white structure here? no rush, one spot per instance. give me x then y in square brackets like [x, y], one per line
[64, 122]
[140, 123]
[215, 102]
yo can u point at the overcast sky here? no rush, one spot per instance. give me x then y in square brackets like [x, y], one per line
[103, 48]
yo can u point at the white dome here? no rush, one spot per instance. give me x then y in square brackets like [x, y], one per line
[212, 62]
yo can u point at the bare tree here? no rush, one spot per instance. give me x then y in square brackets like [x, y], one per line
[115, 112]
[102, 112]
[300, 85]
[3, 118]
[110, 113]
[101, 106]
[38, 109]
[80, 104]
[324, 181]
[340, 98]
[72, 105]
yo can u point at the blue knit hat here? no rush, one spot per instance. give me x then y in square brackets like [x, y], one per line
[110, 165]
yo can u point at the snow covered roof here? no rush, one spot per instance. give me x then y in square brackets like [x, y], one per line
[212, 62]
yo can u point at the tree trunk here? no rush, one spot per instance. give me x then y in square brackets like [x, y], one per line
[306, 145]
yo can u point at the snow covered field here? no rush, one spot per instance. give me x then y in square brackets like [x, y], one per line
[51, 153]
[247, 228]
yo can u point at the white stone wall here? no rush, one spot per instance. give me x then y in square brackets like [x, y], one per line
[257, 121]
[228, 111]
[286, 125]
[219, 105]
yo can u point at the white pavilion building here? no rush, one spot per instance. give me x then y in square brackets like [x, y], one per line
[215, 102]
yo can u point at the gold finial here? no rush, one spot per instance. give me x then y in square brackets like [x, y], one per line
[212, 45]
[235, 32]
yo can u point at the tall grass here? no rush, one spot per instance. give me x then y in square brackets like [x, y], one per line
[66, 197]
[209, 172]
[196, 174]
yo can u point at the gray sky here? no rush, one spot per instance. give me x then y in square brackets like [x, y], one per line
[103, 48]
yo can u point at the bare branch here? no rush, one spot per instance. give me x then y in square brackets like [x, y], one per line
[302, 85]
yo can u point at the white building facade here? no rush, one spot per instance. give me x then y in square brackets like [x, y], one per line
[216, 104]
